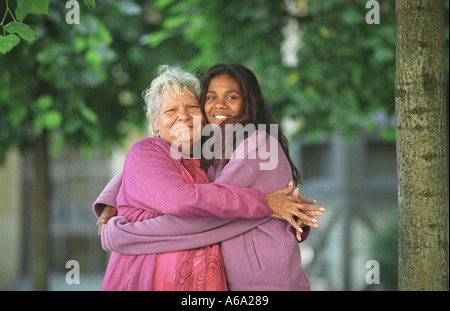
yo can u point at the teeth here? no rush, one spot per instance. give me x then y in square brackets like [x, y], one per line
[220, 117]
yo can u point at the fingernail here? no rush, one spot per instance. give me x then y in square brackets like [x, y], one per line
[322, 209]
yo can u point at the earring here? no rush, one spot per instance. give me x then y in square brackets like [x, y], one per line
[155, 133]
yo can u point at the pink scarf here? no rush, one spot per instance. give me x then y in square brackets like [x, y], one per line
[200, 269]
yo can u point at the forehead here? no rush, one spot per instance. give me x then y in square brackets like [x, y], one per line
[223, 81]
[172, 97]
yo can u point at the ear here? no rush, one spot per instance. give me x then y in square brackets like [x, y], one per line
[155, 122]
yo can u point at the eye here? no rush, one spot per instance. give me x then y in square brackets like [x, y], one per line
[211, 97]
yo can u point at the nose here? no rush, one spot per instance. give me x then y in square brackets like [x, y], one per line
[220, 103]
[183, 114]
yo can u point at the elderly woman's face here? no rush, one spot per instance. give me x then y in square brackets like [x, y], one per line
[175, 121]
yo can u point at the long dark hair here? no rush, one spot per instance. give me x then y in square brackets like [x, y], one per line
[255, 109]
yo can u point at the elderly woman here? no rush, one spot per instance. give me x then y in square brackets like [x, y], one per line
[157, 179]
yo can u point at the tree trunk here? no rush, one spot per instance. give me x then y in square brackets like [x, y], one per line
[41, 225]
[422, 150]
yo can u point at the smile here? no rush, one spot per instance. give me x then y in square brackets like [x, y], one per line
[221, 117]
[181, 128]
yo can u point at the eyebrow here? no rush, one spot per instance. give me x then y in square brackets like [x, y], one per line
[227, 92]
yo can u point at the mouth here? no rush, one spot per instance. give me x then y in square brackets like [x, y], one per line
[182, 126]
[181, 130]
[220, 118]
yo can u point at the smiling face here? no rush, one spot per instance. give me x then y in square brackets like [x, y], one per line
[223, 99]
[175, 120]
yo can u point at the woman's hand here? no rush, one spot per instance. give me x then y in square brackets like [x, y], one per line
[308, 210]
[107, 213]
[286, 207]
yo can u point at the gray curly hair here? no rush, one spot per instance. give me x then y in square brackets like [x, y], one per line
[172, 79]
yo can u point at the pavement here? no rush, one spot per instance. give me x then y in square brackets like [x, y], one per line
[57, 282]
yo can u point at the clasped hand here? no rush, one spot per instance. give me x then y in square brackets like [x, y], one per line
[294, 209]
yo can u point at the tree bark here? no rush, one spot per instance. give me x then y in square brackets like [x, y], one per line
[422, 149]
[41, 225]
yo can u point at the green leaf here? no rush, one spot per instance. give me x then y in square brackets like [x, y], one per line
[388, 134]
[48, 120]
[8, 42]
[22, 30]
[25, 7]
[93, 57]
[44, 102]
[157, 37]
[52, 119]
[162, 4]
[89, 115]
[39, 7]
[90, 3]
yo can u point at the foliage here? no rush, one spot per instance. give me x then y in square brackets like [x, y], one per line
[349, 63]
[47, 87]
[61, 82]
[84, 81]
[17, 28]
[345, 66]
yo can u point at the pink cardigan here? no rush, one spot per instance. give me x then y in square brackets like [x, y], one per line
[153, 185]
[259, 254]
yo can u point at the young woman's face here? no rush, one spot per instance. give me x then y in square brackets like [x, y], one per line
[223, 99]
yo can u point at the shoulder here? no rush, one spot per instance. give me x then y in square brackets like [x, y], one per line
[149, 148]
[149, 144]
[257, 144]
[263, 151]
[150, 154]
